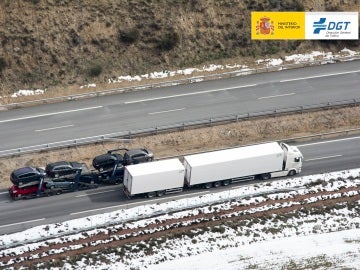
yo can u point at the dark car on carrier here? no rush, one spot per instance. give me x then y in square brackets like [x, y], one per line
[62, 169]
[136, 156]
[107, 163]
[27, 176]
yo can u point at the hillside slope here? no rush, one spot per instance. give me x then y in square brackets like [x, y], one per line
[47, 43]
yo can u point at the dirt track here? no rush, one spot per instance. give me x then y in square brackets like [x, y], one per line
[189, 141]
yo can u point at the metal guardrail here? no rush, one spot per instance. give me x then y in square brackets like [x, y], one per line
[178, 127]
[177, 82]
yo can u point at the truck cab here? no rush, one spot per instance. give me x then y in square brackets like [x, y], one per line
[292, 159]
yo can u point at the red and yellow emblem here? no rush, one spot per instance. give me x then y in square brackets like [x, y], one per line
[265, 26]
[277, 25]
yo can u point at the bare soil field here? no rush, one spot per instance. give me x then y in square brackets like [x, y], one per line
[202, 139]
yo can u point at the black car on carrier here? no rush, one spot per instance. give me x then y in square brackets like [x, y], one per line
[62, 169]
[111, 165]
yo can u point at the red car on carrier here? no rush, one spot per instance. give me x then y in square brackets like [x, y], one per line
[24, 192]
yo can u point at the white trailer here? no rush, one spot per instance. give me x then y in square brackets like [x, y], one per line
[154, 178]
[243, 163]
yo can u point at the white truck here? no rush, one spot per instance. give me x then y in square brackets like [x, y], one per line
[212, 169]
[154, 178]
[243, 163]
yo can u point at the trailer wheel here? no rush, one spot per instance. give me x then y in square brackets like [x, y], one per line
[226, 182]
[207, 185]
[151, 195]
[265, 176]
[292, 172]
[216, 184]
[160, 193]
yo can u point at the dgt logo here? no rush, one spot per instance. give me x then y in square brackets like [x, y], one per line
[321, 25]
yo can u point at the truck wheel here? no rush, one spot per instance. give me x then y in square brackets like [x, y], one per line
[265, 176]
[207, 185]
[216, 184]
[226, 182]
[151, 194]
[292, 172]
[160, 193]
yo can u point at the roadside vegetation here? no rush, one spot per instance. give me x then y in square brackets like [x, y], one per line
[60, 45]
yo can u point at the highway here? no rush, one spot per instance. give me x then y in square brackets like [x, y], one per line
[164, 106]
[320, 156]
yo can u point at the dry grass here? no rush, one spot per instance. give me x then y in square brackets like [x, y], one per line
[53, 44]
[188, 141]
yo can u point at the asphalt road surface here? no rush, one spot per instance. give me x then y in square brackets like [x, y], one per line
[319, 156]
[165, 106]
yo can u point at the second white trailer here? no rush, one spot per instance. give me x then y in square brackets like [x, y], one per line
[154, 178]
[233, 164]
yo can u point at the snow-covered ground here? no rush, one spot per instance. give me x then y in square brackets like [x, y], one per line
[328, 239]
[335, 250]
[325, 57]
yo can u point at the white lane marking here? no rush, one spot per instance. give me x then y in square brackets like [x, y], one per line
[100, 192]
[330, 141]
[290, 94]
[98, 209]
[29, 221]
[49, 114]
[190, 94]
[335, 156]
[319, 76]
[46, 129]
[189, 195]
[251, 184]
[175, 110]
[4, 192]
[125, 205]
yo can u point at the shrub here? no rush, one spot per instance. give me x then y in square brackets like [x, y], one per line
[169, 41]
[95, 70]
[2, 64]
[218, 229]
[299, 6]
[129, 36]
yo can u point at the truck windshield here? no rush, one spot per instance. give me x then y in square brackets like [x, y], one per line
[284, 147]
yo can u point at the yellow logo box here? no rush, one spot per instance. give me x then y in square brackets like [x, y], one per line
[277, 25]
